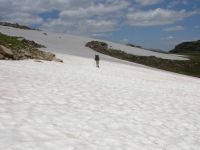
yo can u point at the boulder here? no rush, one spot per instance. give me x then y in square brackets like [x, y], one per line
[1, 57]
[57, 60]
[38, 61]
[48, 56]
[7, 53]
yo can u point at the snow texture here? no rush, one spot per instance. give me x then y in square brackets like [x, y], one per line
[76, 106]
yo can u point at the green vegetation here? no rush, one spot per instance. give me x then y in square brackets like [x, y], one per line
[187, 47]
[192, 50]
[190, 67]
[17, 43]
[11, 42]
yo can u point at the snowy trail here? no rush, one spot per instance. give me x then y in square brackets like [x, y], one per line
[75, 106]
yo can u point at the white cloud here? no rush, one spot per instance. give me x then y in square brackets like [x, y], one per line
[170, 38]
[147, 2]
[94, 10]
[174, 3]
[75, 16]
[81, 27]
[87, 16]
[157, 16]
[124, 41]
[24, 18]
[174, 29]
[96, 26]
[197, 27]
[58, 25]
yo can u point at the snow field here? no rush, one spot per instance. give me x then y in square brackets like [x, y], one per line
[75, 106]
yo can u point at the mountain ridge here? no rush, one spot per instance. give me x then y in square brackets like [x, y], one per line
[16, 25]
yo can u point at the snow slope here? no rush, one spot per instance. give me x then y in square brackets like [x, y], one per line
[75, 45]
[75, 106]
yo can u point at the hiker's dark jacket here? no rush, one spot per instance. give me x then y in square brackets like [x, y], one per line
[97, 57]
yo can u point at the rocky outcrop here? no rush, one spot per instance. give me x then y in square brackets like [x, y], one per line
[97, 45]
[8, 54]
[57, 60]
[51, 57]
[19, 48]
[31, 43]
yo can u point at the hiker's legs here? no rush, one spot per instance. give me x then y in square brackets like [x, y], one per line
[97, 63]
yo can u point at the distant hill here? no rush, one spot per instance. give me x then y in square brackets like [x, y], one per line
[15, 25]
[132, 45]
[187, 47]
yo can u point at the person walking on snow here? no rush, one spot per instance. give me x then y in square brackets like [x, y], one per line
[97, 60]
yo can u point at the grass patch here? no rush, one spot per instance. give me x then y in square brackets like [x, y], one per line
[17, 43]
[11, 42]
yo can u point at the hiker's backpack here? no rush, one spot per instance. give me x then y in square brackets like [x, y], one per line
[96, 57]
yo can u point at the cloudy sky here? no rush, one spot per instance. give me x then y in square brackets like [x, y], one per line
[149, 23]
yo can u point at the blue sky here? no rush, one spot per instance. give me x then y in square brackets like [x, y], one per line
[158, 24]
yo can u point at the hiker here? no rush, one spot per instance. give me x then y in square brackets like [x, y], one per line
[97, 60]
